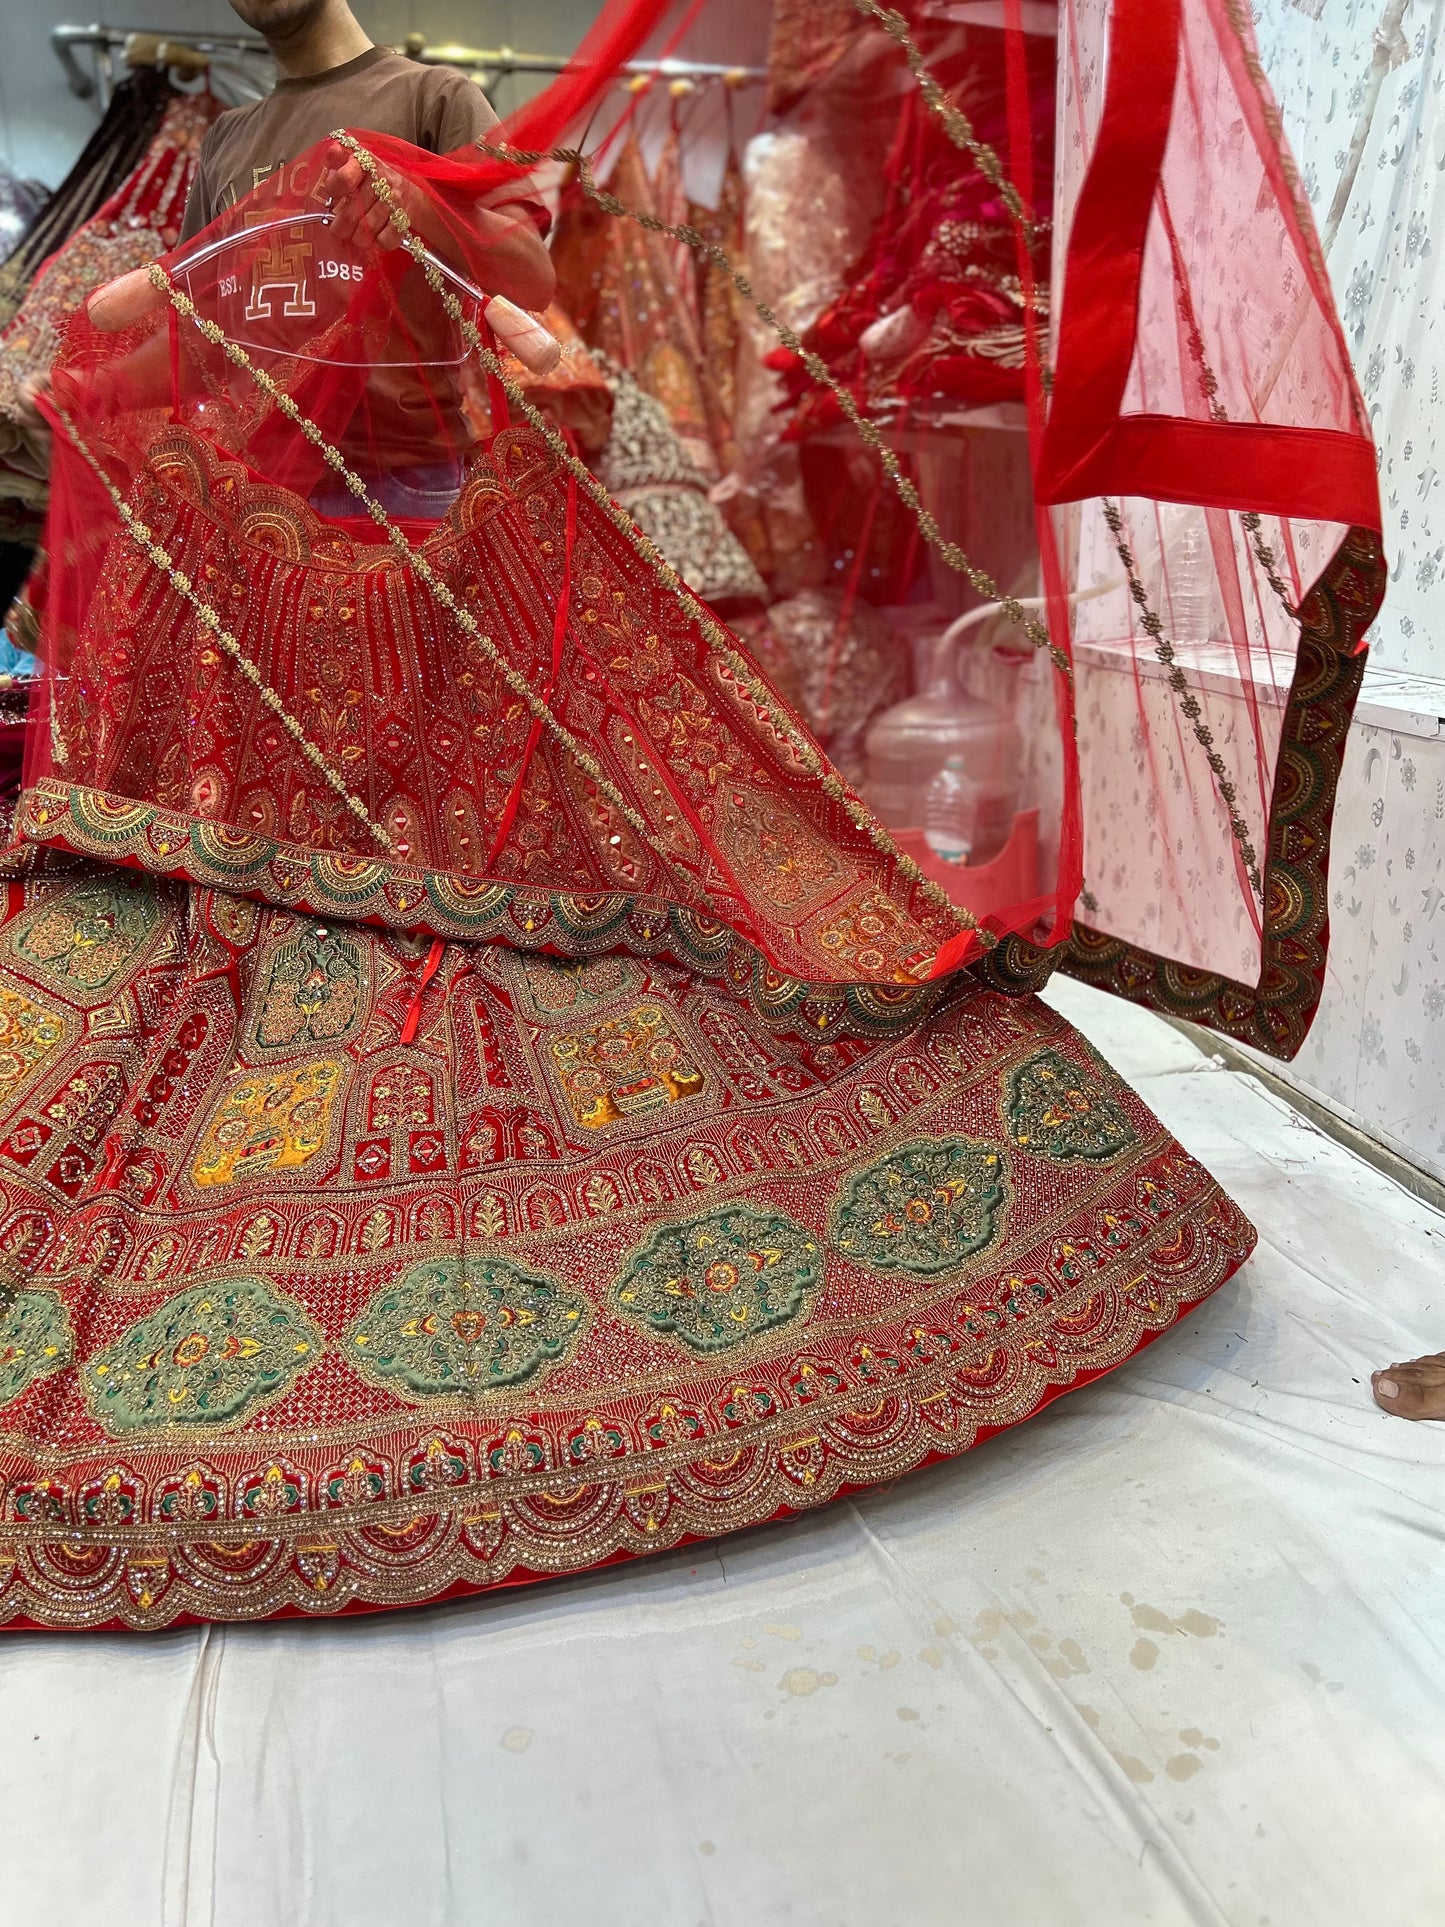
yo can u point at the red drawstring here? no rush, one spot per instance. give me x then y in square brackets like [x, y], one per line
[428, 971]
[559, 636]
[113, 1153]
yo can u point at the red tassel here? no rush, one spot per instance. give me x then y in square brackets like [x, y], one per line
[428, 971]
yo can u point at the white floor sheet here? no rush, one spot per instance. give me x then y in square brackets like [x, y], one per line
[1170, 1653]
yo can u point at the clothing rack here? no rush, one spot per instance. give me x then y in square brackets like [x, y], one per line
[190, 53]
[496, 63]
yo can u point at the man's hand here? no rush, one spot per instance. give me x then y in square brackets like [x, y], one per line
[512, 259]
[28, 415]
[124, 301]
[358, 211]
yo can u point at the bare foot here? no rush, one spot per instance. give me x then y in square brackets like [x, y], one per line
[1412, 1390]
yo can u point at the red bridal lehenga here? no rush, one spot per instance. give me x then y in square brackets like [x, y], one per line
[479, 1096]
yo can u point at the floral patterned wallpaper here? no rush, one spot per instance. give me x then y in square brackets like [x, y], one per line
[1386, 260]
[1376, 1053]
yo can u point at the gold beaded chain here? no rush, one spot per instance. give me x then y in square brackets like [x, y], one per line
[1268, 561]
[517, 683]
[960, 132]
[950, 552]
[1152, 626]
[956, 123]
[807, 753]
[1209, 382]
[144, 537]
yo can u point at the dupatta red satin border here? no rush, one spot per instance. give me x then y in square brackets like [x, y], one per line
[1088, 447]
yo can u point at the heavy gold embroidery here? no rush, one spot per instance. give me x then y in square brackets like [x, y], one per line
[268, 1123]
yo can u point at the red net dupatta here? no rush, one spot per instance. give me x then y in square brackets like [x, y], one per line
[480, 1098]
[1205, 444]
[382, 761]
[317, 643]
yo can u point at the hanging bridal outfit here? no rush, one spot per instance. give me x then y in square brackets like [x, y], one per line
[620, 285]
[137, 223]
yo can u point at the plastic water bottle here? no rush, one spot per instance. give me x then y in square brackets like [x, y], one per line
[950, 806]
[1190, 574]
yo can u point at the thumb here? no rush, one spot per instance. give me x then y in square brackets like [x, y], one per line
[123, 301]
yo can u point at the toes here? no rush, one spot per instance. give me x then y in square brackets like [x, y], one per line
[1408, 1392]
[1386, 1391]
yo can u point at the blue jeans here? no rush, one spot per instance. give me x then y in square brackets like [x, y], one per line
[419, 494]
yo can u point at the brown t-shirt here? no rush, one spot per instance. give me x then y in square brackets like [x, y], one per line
[436, 108]
[403, 419]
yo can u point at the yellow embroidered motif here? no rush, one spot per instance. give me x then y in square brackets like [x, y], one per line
[871, 935]
[28, 1034]
[627, 1065]
[269, 1123]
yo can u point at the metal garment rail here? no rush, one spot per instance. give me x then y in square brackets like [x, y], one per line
[498, 62]
[191, 51]
[143, 47]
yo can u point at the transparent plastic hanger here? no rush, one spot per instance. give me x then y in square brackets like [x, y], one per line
[125, 300]
[187, 266]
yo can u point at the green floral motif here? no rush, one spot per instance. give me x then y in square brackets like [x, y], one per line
[314, 991]
[447, 1328]
[84, 937]
[719, 1280]
[924, 1208]
[35, 1340]
[557, 987]
[205, 1357]
[1056, 1110]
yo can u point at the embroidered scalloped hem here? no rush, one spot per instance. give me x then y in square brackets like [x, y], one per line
[341, 1271]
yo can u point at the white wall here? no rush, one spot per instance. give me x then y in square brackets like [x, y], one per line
[1376, 1054]
[1387, 264]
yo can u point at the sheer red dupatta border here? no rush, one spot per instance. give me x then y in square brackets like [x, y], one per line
[1182, 414]
[1093, 444]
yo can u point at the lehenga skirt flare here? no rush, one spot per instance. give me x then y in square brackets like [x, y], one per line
[375, 1230]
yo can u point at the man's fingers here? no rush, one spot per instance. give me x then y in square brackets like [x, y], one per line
[349, 175]
[32, 387]
[344, 187]
[343, 219]
[358, 210]
[124, 301]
